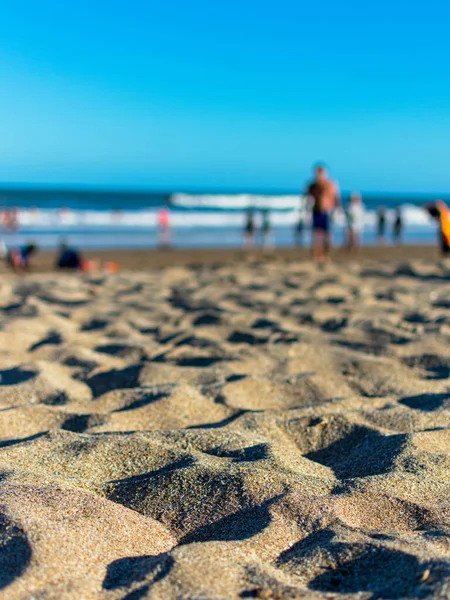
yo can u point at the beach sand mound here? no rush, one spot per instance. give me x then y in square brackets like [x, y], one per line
[261, 430]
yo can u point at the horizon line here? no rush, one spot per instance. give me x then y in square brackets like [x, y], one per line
[105, 189]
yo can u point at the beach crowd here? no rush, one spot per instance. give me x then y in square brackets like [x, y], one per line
[320, 206]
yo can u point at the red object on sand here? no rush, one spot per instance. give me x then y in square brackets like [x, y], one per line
[111, 267]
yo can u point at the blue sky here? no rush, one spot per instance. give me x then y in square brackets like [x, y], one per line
[209, 94]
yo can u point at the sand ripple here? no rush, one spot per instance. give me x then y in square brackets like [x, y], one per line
[255, 431]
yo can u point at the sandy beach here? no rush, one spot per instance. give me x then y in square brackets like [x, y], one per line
[206, 426]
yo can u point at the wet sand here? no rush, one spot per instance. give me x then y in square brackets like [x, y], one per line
[137, 260]
[201, 426]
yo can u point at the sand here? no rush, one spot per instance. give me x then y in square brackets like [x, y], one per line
[227, 429]
[142, 260]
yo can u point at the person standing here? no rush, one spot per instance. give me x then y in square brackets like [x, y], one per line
[266, 229]
[323, 195]
[441, 212]
[381, 225]
[249, 229]
[300, 224]
[397, 228]
[164, 228]
[355, 221]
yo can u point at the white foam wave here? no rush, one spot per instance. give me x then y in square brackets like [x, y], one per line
[287, 215]
[236, 201]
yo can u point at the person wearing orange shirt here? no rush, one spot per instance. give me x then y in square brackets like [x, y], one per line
[441, 212]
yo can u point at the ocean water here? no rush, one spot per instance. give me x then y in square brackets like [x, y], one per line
[121, 219]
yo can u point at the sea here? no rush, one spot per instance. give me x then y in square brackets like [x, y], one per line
[89, 219]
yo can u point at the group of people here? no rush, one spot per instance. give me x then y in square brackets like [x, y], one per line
[254, 231]
[68, 258]
[397, 225]
[323, 197]
[322, 200]
[19, 259]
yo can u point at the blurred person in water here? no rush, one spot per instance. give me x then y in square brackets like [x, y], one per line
[355, 222]
[323, 196]
[441, 213]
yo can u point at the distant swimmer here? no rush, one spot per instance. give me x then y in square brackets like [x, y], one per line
[441, 212]
[323, 195]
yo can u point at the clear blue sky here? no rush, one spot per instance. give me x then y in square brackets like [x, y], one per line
[225, 94]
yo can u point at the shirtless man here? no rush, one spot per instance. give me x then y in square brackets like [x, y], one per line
[323, 197]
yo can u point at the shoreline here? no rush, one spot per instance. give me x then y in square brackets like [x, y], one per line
[138, 260]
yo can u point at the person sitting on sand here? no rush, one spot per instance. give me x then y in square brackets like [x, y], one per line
[72, 259]
[19, 258]
[69, 258]
[355, 222]
[323, 197]
[441, 212]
